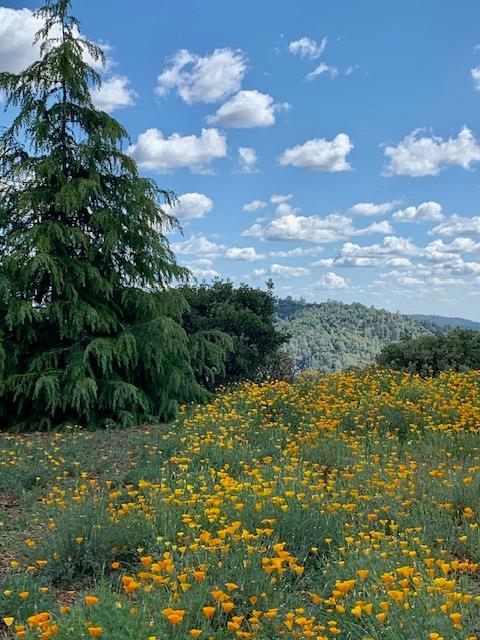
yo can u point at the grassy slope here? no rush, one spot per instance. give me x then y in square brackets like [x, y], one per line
[343, 506]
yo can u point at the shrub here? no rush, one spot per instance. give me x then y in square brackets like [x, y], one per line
[245, 314]
[458, 350]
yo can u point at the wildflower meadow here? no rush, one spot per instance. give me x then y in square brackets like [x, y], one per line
[341, 506]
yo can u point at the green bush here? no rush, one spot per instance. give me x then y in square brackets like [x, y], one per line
[245, 315]
[458, 350]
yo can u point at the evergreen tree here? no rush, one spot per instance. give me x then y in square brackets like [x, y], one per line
[89, 323]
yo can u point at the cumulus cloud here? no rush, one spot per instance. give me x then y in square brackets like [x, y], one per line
[418, 155]
[458, 226]
[376, 227]
[243, 254]
[331, 281]
[390, 251]
[281, 271]
[320, 154]
[247, 109]
[114, 93]
[198, 245]
[371, 209]
[296, 252]
[449, 254]
[200, 273]
[17, 31]
[207, 79]
[307, 47]
[459, 245]
[154, 152]
[18, 28]
[247, 159]
[285, 209]
[422, 279]
[254, 205]
[284, 271]
[427, 211]
[277, 198]
[321, 69]
[192, 206]
[312, 228]
[440, 258]
[354, 255]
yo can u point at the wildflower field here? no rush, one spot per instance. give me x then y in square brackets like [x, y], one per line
[344, 506]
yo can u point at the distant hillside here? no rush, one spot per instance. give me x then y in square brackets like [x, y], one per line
[444, 321]
[332, 336]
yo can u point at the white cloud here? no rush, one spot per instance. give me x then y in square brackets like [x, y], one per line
[383, 227]
[475, 73]
[254, 205]
[285, 209]
[295, 253]
[247, 159]
[331, 281]
[277, 198]
[398, 262]
[284, 271]
[17, 31]
[422, 279]
[192, 206]
[247, 109]
[440, 252]
[418, 155]
[198, 245]
[424, 212]
[371, 209]
[321, 69]
[442, 259]
[307, 47]
[201, 262]
[154, 152]
[459, 245]
[209, 78]
[320, 154]
[243, 254]
[354, 255]
[457, 226]
[312, 228]
[18, 28]
[203, 274]
[114, 93]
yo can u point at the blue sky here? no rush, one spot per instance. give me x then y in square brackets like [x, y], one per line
[354, 127]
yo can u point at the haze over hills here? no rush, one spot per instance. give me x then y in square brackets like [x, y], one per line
[332, 336]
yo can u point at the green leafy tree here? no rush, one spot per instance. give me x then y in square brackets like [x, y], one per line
[458, 350]
[245, 314]
[89, 322]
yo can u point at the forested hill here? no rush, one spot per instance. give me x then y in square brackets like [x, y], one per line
[445, 322]
[332, 336]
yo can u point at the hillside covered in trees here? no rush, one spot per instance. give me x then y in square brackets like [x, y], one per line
[332, 336]
[445, 322]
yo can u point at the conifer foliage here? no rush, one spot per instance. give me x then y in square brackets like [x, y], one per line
[90, 327]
